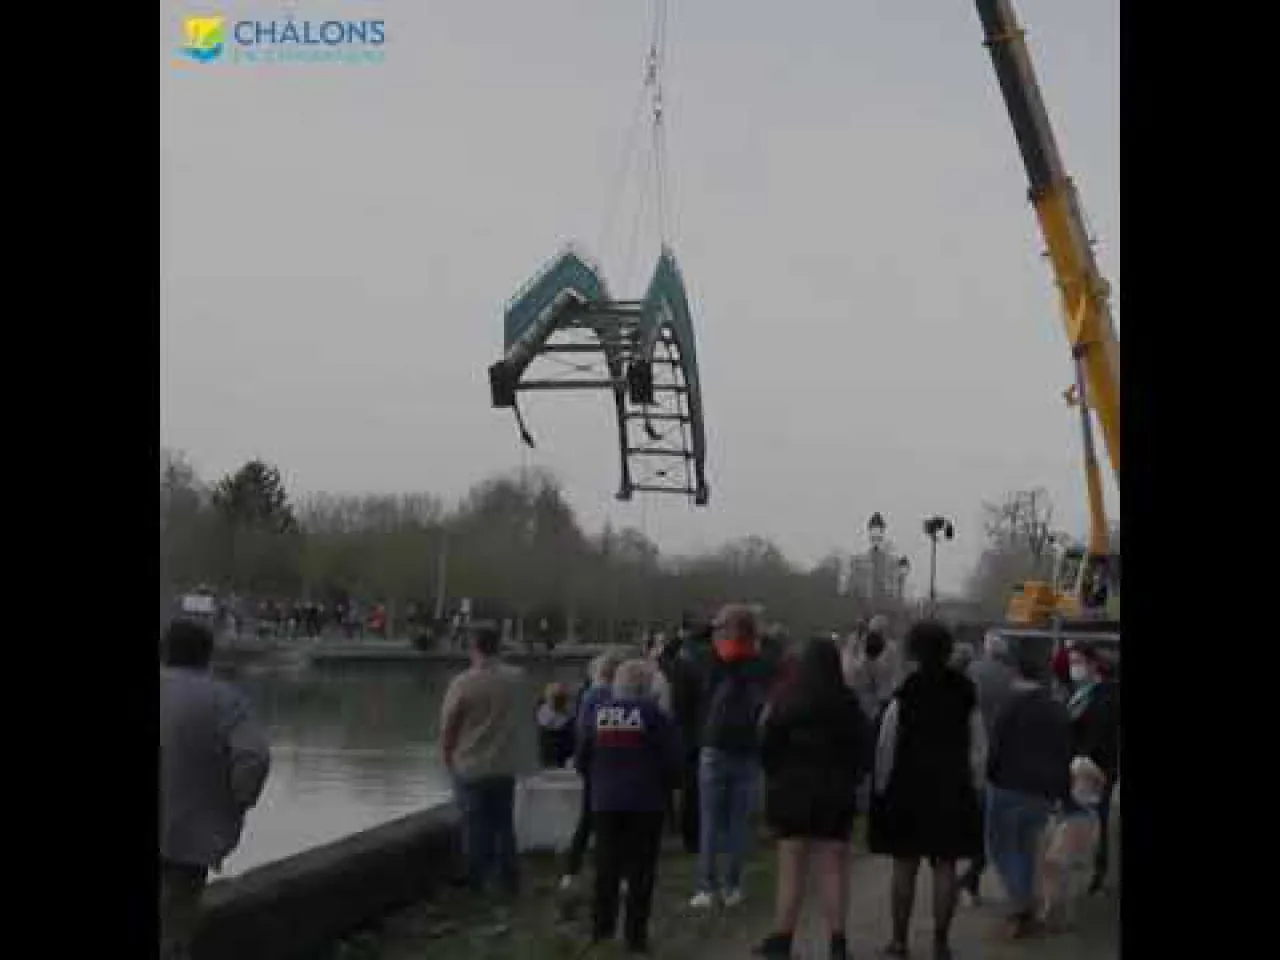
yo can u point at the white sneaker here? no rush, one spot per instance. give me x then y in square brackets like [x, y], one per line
[733, 898]
[702, 900]
[567, 881]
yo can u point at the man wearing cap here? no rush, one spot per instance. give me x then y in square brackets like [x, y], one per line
[729, 772]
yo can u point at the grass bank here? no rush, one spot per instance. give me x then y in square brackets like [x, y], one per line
[455, 926]
[545, 925]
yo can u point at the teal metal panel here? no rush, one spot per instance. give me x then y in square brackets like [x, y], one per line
[667, 289]
[568, 272]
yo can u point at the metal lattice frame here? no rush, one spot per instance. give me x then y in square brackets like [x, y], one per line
[642, 351]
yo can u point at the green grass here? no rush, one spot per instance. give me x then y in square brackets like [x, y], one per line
[545, 925]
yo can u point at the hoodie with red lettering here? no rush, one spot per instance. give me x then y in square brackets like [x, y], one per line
[631, 752]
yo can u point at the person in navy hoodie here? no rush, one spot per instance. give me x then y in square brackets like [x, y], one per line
[631, 754]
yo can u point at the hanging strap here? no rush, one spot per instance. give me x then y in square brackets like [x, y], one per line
[525, 435]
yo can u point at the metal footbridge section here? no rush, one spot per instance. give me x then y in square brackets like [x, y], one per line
[564, 331]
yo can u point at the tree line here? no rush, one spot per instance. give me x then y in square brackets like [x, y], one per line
[515, 547]
[512, 544]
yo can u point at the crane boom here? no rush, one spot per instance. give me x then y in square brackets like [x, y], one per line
[1086, 311]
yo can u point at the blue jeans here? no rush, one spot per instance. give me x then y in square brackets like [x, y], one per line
[488, 808]
[727, 787]
[1015, 823]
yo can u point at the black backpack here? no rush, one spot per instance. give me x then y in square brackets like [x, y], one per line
[733, 715]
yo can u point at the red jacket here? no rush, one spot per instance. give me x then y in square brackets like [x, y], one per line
[1062, 665]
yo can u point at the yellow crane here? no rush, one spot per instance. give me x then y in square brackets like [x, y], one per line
[1086, 579]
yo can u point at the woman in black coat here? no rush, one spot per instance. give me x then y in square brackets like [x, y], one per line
[929, 764]
[815, 741]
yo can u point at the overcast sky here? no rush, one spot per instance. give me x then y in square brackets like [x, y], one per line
[876, 327]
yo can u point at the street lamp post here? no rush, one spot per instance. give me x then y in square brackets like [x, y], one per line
[933, 526]
[875, 531]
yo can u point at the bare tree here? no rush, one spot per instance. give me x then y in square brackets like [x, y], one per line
[1022, 521]
[1018, 532]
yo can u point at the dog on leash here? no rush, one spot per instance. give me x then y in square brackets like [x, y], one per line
[1070, 848]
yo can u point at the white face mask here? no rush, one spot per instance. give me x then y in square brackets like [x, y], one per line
[1079, 673]
[1085, 794]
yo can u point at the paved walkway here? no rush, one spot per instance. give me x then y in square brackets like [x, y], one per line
[451, 926]
[976, 933]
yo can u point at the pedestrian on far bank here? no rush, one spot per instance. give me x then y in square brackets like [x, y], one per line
[1094, 708]
[544, 634]
[992, 675]
[488, 740]
[214, 761]
[1028, 773]
[729, 770]
[603, 669]
[929, 767]
[814, 747]
[631, 753]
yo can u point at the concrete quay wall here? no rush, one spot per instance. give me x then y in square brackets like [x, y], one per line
[295, 907]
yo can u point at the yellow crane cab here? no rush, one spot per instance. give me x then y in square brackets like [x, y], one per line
[1084, 588]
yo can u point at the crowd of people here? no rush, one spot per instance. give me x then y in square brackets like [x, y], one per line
[954, 756]
[292, 619]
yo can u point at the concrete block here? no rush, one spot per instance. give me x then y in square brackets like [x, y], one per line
[546, 811]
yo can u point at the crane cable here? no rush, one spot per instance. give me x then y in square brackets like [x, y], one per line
[652, 91]
[652, 96]
[653, 77]
[629, 152]
[653, 82]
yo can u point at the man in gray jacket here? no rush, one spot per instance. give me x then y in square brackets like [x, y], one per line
[993, 675]
[213, 764]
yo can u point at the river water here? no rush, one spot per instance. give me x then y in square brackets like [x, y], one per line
[352, 746]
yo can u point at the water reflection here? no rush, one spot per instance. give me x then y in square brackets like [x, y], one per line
[352, 746]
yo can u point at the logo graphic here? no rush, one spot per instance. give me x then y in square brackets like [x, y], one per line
[203, 38]
[287, 39]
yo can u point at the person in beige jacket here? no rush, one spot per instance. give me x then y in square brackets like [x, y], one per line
[488, 739]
